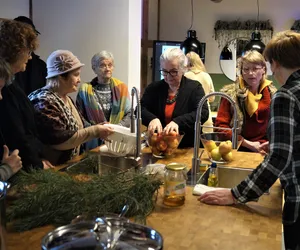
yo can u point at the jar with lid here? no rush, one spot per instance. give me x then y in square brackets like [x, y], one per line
[175, 183]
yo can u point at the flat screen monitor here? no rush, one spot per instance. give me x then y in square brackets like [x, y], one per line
[158, 48]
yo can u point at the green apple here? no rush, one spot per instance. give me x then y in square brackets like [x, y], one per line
[215, 154]
[227, 157]
[210, 145]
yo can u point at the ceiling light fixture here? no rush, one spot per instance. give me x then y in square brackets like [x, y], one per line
[255, 42]
[191, 42]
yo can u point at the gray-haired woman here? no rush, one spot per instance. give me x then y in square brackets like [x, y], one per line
[171, 103]
[105, 98]
[60, 125]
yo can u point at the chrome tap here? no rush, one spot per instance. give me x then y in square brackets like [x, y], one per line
[196, 158]
[136, 129]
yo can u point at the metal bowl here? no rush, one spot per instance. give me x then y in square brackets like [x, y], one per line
[103, 233]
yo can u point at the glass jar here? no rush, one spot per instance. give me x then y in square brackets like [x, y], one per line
[175, 183]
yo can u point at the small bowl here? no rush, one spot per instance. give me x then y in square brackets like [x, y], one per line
[163, 145]
[219, 146]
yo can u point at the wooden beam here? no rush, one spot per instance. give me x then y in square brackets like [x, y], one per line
[144, 45]
[30, 9]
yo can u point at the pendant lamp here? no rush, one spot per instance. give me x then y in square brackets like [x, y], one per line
[191, 43]
[255, 43]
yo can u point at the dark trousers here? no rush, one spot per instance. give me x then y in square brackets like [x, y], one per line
[292, 236]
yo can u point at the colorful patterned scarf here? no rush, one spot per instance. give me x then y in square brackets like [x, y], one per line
[91, 110]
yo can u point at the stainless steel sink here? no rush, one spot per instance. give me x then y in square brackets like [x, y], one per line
[227, 177]
[103, 164]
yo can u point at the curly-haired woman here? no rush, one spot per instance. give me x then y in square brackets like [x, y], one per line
[17, 122]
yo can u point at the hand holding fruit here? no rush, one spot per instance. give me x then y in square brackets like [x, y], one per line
[155, 125]
[171, 127]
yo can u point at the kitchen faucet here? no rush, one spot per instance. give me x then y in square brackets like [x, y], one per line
[136, 129]
[196, 158]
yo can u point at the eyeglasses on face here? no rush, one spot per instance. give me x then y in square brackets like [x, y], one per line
[253, 70]
[103, 66]
[171, 72]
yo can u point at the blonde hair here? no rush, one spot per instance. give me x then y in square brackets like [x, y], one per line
[253, 56]
[194, 62]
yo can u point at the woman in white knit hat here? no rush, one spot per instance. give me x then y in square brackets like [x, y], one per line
[60, 125]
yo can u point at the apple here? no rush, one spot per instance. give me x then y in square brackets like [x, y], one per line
[169, 151]
[153, 139]
[215, 154]
[161, 145]
[227, 157]
[172, 133]
[155, 151]
[225, 147]
[173, 143]
[210, 145]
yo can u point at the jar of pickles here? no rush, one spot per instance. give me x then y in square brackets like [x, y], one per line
[175, 183]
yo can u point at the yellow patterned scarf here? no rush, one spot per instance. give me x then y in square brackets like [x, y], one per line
[252, 100]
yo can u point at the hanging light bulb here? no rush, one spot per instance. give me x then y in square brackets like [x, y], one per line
[191, 43]
[255, 42]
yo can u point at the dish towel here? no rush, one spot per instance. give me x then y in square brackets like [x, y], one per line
[200, 189]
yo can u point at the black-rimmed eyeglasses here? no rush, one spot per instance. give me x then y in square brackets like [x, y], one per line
[171, 72]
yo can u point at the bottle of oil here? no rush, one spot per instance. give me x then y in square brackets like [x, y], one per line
[175, 183]
[213, 176]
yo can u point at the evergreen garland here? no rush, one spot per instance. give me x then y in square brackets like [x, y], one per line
[48, 197]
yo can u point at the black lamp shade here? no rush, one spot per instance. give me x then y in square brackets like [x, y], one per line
[191, 43]
[255, 43]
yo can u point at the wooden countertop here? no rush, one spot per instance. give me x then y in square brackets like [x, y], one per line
[199, 226]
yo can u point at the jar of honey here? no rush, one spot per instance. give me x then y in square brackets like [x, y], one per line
[175, 183]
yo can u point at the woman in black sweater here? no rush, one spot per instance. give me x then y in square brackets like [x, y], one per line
[171, 104]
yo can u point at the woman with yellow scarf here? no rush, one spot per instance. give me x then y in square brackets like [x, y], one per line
[252, 94]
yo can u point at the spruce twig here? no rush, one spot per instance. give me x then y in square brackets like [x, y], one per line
[48, 197]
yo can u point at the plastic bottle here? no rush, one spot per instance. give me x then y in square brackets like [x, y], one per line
[213, 176]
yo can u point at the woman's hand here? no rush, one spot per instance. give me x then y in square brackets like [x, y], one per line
[47, 164]
[13, 160]
[155, 124]
[264, 148]
[104, 131]
[172, 126]
[252, 145]
[217, 197]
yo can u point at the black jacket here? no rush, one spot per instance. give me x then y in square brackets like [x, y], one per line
[190, 93]
[34, 77]
[17, 126]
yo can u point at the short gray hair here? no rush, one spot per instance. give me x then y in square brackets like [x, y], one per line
[99, 57]
[174, 53]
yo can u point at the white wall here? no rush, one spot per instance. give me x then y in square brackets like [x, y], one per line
[176, 19]
[13, 8]
[89, 26]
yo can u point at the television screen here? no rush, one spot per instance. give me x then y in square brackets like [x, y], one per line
[158, 48]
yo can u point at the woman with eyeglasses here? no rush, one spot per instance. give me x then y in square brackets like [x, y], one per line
[252, 94]
[105, 98]
[171, 103]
